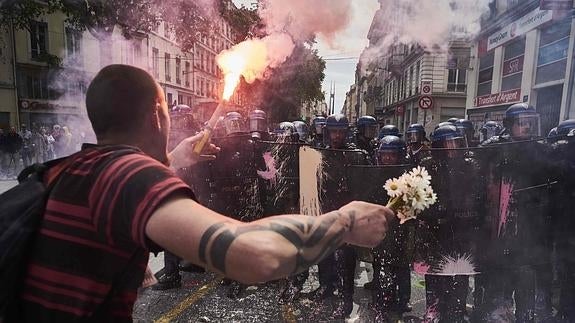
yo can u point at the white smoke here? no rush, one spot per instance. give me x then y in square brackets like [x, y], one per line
[431, 24]
[304, 19]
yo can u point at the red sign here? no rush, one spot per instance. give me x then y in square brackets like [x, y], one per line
[399, 110]
[514, 65]
[556, 4]
[510, 96]
[425, 102]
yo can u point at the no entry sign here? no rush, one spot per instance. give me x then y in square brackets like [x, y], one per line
[425, 102]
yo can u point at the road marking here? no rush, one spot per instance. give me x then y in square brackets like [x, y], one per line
[287, 314]
[189, 301]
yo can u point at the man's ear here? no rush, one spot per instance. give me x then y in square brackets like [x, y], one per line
[155, 117]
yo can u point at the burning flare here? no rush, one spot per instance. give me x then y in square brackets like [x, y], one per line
[251, 59]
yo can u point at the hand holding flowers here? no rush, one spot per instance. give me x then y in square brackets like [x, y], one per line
[410, 194]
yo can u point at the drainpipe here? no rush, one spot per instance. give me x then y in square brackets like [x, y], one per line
[14, 74]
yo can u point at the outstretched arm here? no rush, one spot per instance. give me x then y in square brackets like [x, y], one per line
[263, 250]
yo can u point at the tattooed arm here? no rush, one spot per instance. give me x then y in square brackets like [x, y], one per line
[267, 249]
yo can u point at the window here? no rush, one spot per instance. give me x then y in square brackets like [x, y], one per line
[553, 49]
[38, 39]
[513, 65]
[178, 71]
[34, 86]
[202, 61]
[417, 73]
[485, 77]
[456, 80]
[187, 74]
[169, 99]
[202, 88]
[167, 66]
[74, 45]
[411, 80]
[197, 87]
[180, 99]
[138, 53]
[156, 62]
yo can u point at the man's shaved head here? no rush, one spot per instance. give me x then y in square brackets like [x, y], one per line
[120, 99]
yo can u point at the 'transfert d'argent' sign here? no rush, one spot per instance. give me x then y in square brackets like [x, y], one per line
[510, 96]
[519, 27]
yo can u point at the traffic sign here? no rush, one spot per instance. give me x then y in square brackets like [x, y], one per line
[426, 87]
[425, 102]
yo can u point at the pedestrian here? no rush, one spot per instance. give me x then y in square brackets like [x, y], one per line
[49, 152]
[67, 144]
[3, 154]
[115, 202]
[13, 147]
[26, 150]
[57, 134]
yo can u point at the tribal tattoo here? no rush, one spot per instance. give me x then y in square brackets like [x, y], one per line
[313, 237]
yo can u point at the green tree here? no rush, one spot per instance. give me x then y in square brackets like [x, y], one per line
[287, 88]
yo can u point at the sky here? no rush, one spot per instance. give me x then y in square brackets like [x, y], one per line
[349, 43]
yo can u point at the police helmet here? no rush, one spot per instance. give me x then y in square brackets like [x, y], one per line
[443, 124]
[337, 121]
[453, 120]
[389, 130]
[367, 126]
[318, 123]
[258, 121]
[524, 116]
[302, 129]
[415, 133]
[391, 151]
[448, 137]
[565, 128]
[465, 127]
[233, 123]
[489, 129]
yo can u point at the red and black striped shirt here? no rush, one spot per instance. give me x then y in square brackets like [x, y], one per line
[93, 233]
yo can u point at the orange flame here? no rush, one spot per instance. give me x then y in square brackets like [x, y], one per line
[251, 58]
[233, 65]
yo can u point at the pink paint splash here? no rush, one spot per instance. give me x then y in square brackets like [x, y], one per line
[271, 171]
[431, 315]
[505, 197]
[421, 268]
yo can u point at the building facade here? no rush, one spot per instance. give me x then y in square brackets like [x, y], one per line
[523, 54]
[45, 71]
[390, 84]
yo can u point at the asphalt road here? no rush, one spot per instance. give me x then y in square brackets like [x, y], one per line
[203, 298]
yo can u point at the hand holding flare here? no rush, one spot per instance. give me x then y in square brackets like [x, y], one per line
[410, 194]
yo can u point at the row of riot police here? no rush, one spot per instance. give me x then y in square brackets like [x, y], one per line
[502, 210]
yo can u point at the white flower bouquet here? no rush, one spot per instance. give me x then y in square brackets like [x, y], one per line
[410, 194]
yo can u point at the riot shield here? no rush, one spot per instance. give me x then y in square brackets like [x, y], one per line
[366, 182]
[519, 195]
[336, 191]
[278, 177]
[229, 184]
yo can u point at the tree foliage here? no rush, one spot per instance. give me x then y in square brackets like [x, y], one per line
[297, 82]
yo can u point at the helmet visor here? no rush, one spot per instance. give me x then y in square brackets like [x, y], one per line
[370, 131]
[526, 127]
[414, 137]
[233, 126]
[455, 143]
[388, 157]
[258, 125]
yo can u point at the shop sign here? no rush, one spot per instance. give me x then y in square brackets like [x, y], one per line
[510, 96]
[514, 65]
[519, 27]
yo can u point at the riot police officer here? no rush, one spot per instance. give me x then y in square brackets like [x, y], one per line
[393, 257]
[453, 121]
[367, 128]
[466, 128]
[489, 130]
[454, 224]
[258, 125]
[233, 123]
[563, 154]
[519, 261]
[389, 130]
[302, 130]
[337, 272]
[417, 141]
[317, 125]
